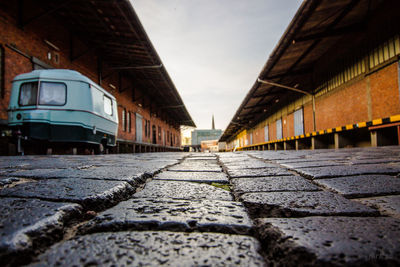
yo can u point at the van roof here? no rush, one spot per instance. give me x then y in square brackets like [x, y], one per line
[58, 74]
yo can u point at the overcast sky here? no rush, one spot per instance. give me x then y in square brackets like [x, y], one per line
[214, 49]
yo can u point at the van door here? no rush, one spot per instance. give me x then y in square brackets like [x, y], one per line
[139, 127]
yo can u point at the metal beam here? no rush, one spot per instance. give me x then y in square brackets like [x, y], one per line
[22, 23]
[292, 73]
[284, 86]
[357, 27]
[256, 106]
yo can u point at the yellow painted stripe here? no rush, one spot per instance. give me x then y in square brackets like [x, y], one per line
[349, 127]
[329, 130]
[362, 124]
[302, 136]
[395, 118]
[321, 132]
[308, 135]
[377, 122]
[314, 133]
[338, 129]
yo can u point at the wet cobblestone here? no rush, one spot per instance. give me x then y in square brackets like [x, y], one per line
[330, 241]
[92, 194]
[182, 190]
[251, 208]
[173, 214]
[27, 223]
[295, 204]
[155, 249]
[200, 177]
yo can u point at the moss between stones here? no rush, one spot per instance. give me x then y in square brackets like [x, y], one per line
[222, 186]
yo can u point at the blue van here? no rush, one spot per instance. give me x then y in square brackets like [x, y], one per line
[62, 106]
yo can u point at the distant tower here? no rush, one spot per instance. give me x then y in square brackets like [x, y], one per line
[213, 124]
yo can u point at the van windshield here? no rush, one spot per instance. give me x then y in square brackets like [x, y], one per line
[53, 94]
[28, 94]
[50, 93]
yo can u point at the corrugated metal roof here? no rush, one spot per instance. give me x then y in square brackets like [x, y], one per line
[319, 28]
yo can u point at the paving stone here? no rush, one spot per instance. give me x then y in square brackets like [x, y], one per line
[154, 249]
[272, 184]
[132, 175]
[92, 194]
[331, 241]
[200, 177]
[387, 205]
[312, 164]
[363, 186]
[310, 160]
[211, 159]
[297, 204]
[255, 164]
[182, 190]
[336, 171]
[238, 173]
[196, 167]
[8, 180]
[173, 215]
[374, 160]
[27, 223]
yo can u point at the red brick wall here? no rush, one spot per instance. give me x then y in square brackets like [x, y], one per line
[385, 96]
[288, 125]
[344, 106]
[272, 131]
[30, 40]
[259, 135]
[308, 118]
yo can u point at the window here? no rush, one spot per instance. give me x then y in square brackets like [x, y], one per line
[266, 133]
[124, 119]
[129, 121]
[251, 138]
[279, 129]
[148, 128]
[107, 105]
[28, 94]
[159, 133]
[298, 122]
[52, 94]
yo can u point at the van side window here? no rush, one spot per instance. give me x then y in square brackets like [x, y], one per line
[107, 105]
[28, 94]
[52, 94]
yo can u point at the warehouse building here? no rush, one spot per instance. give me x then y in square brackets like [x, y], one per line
[332, 81]
[105, 41]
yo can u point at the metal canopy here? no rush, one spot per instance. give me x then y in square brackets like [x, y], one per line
[113, 30]
[320, 29]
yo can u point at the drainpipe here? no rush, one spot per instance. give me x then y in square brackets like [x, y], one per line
[296, 90]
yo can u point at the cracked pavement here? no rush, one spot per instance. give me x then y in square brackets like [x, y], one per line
[251, 208]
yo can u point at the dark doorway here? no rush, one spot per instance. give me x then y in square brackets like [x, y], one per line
[154, 134]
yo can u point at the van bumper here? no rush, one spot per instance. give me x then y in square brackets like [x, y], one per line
[38, 131]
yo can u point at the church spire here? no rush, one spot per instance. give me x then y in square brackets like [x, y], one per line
[213, 124]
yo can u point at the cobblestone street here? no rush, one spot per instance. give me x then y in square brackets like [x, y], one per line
[253, 208]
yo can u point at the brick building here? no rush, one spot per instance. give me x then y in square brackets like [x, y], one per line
[332, 81]
[105, 41]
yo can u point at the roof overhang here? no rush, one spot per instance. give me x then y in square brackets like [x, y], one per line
[319, 28]
[114, 31]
